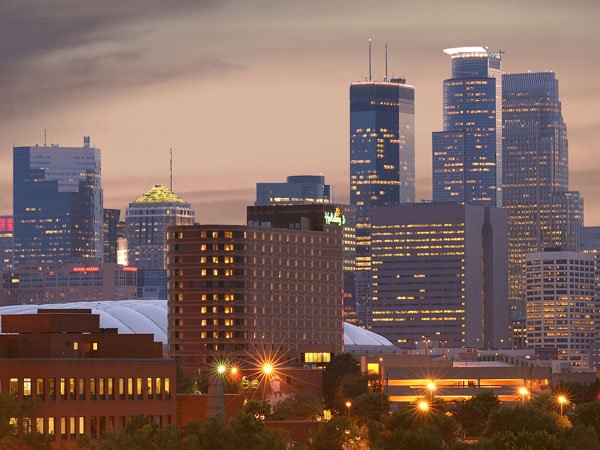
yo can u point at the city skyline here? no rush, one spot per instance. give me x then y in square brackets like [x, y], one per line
[81, 91]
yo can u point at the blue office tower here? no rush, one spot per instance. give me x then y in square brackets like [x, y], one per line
[542, 212]
[297, 190]
[382, 162]
[467, 154]
[57, 202]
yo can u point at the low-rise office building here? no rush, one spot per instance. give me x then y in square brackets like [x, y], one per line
[59, 283]
[406, 378]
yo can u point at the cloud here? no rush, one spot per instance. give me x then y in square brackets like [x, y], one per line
[57, 51]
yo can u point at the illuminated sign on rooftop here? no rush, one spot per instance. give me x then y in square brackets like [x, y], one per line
[335, 218]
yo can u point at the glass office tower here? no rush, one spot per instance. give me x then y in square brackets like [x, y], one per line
[110, 234]
[57, 203]
[382, 161]
[542, 212]
[146, 222]
[297, 190]
[467, 154]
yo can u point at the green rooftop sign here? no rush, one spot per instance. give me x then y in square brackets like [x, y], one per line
[335, 218]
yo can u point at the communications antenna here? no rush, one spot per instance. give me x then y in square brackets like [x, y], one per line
[171, 171]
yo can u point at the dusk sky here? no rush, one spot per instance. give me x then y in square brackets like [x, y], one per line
[248, 91]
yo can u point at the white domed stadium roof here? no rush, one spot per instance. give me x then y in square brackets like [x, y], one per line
[359, 337]
[150, 317]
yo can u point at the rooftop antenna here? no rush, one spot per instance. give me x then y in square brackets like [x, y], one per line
[386, 77]
[171, 171]
[369, 59]
[44, 137]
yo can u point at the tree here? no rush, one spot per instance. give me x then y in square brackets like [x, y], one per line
[587, 414]
[245, 432]
[301, 406]
[185, 384]
[472, 414]
[339, 366]
[330, 435]
[212, 433]
[370, 406]
[259, 407]
[515, 419]
[522, 440]
[582, 437]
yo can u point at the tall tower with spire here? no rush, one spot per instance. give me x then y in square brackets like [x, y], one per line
[382, 160]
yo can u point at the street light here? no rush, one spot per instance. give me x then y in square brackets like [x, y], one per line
[523, 392]
[234, 370]
[267, 368]
[431, 387]
[562, 401]
[348, 405]
[423, 406]
[221, 369]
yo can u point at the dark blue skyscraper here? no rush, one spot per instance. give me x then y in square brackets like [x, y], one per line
[57, 202]
[382, 161]
[467, 154]
[542, 212]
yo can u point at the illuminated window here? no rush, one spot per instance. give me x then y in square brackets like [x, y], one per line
[75, 345]
[27, 387]
[130, 387]
[167, 388]
[39, 388]
[94, 346]
[139, 387]
[39, 425]
[63, 388]
[51, 425]
[110, 383]
[122, 388]
[14, 387]
[149, 392]
[72, 388]
[157, 383]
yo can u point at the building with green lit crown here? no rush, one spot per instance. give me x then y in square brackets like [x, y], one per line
[146, 223]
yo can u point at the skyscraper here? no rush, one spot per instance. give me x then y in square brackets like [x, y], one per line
[467, 154]
[6, 242]
[382, 160]
[110, 234]
[146, 223]
[57, 203]
[542, 212]
[297, 190]
[439, 271]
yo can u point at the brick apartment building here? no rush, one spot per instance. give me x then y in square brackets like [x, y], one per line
[86, 380]
[240, 291]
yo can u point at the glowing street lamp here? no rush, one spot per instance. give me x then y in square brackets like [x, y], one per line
[431, 387]
[234, 370]
[267, 368]
[221, 369]
[523, 392]
[562, 401]
[348, 405]
[423, 406]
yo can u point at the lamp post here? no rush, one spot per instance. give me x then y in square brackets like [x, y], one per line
[523, 392]
[562, 401]
[431, 387]
[348, 405]
[423, 406]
